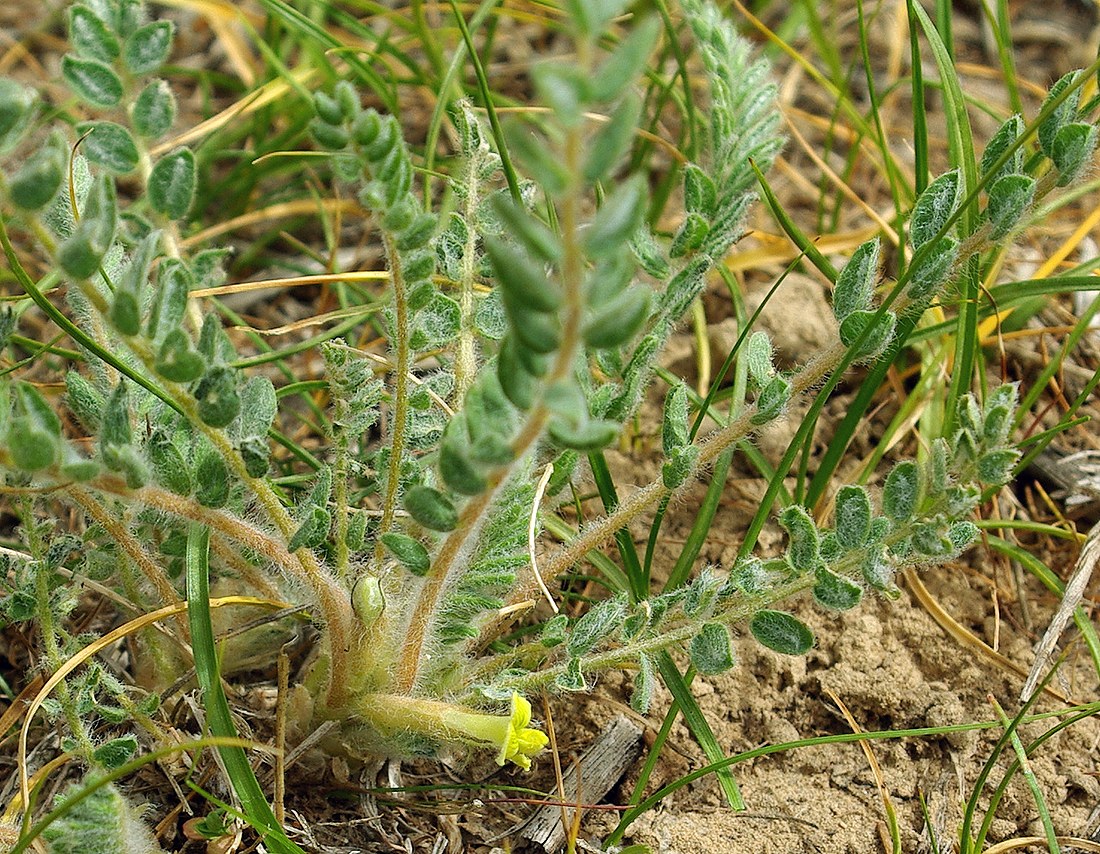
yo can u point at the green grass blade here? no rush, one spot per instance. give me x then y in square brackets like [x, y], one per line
[679, 685]
[487, 101]
[605, 483]
[207, 671]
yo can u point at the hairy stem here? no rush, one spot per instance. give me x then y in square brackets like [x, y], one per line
[402, 368]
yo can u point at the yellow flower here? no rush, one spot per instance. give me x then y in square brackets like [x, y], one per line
[516, 739]
[522, 741]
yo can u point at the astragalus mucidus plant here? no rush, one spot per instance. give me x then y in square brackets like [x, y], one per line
[522, 333]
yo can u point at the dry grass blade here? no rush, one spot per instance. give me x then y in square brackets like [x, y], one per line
[1075, 592]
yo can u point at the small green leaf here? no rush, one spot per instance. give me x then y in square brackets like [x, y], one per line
[15, 107]
[313, 530]
[217, 397]
[116, 429]
[147, 47]
[108, 145]
[619, 319]
[170, 299]
[84, 401]
[618, 218]
[154, 110]
[177, 361]
[115, 753]
[38, 181]
[853, 517]
[711, 651]
[34, 434]
[929, 275]
[1062, 115]
[759, 358]
[700, 193]
[856, 282]
[674, 427]
[772, 400]
[934, 207]
[874, 341]
[171, 184]
[996, 467]
[782, 632]
[125, 313]
[534, 237]
[259, 406]
[691, 234]
[410, 553]
[901, 491]
[587, 436]
[613, 140]
[519, 386]
[459, 472]
[211, 477]
[679, 466]
[624, 66]
[601, 620]
[431, 508]
[169, 467]
[803, 549]
[1072, 151]
[521, 280]
[89, 36]
[645, 680]
[1009, 198]
[1005, 136]
[836, 592]
[92, 81]
[563, 88]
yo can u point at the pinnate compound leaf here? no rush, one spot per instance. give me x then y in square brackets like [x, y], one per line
[172, 182]
[934, 207]
[856, 282]
[781, 632]
[92, 81]
[147, 47]
[710, 650]
[431, 508]
[410, 553]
